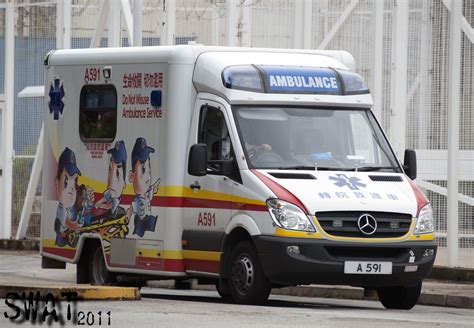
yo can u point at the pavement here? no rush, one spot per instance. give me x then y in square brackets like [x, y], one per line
[435, 293]
[21, 271]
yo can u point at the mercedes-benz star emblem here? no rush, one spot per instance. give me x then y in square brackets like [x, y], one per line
[367, 224]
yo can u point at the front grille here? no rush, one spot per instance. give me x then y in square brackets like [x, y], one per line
[344, 224]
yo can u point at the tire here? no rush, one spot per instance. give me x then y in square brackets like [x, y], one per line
[247, 282]
[98, 273]
[401, 298]
[224, 293]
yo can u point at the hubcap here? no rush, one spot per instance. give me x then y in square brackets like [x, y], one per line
[242, 273]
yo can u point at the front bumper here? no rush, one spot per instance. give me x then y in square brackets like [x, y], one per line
[321, 261]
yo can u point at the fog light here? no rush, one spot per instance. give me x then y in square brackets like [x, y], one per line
[428, 252]
[295, 250]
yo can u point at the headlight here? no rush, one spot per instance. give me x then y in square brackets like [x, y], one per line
[424, 222]
[288, 216]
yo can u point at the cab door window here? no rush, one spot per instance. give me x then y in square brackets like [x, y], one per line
[214, 133]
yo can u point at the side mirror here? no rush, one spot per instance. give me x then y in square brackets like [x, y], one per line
[197, 161]
[409, 163]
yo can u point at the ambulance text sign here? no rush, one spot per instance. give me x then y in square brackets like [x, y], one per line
[302, 80]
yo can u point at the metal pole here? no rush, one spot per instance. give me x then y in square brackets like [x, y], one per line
[424, 104]
[7, 119]
[308, 24]
[100, 25]
[59, 24]
[215, 26]
[170, 25]
[114, 24]
[246, 24]
[335, 28]
[128, 19]
[67, 24]
[453, 130]
[399, 104]
[137, 23]
[31, 190]
[232, 10]
[299, 25]
[377, 87]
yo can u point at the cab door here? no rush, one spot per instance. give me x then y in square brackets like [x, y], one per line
[208, 199]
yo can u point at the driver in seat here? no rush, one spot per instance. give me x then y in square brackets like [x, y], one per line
[252, 150]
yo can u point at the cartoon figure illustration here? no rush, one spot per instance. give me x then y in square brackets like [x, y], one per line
[66, 191]
[115, 180]
[84, 205]
[140, 177]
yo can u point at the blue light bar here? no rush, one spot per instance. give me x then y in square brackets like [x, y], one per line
[293, 79]
[353, 83]
[315, 80]
[244, 77]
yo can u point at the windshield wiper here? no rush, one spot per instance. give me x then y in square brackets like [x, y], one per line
[376, 168]
[298, 167]
[315, 168]
[325, 168]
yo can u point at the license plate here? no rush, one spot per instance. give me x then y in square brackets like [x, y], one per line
[362, 267]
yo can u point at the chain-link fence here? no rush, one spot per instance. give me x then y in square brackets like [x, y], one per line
[34, 37]
[352, 25]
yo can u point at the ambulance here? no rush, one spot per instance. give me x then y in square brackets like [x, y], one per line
[246, 168]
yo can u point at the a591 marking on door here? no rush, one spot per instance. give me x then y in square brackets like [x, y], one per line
[207, 219]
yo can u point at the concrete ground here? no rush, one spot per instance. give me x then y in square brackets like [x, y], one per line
[24, 268]
[195, 308]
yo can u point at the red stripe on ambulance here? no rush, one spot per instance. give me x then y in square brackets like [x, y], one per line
[280, 191]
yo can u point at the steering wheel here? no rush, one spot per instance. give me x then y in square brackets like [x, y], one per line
[267, 156]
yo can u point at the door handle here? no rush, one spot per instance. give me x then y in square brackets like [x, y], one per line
[195, 186]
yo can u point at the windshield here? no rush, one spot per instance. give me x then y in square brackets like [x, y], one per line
[309, 138]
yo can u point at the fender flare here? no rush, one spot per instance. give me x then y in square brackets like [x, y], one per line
[243, 221]
[82, 241]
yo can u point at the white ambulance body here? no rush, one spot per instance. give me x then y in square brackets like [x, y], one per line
[250, 168]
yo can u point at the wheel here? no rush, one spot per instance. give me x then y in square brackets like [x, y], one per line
[224, 293]
[402, 298]
[98, 273]
[247, 282]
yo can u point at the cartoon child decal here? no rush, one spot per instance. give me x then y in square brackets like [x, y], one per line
[115, 180]
[140, 177]
[66, 190]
